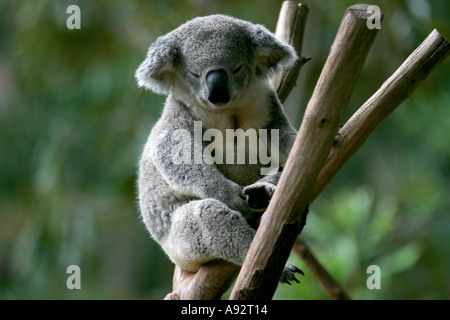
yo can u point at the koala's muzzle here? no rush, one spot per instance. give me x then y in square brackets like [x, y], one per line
[217, 83]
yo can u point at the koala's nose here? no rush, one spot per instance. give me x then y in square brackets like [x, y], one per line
[217, 83]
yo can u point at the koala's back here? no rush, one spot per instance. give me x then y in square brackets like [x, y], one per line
[157, 197]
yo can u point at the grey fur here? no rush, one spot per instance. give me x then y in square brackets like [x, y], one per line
[198, 212]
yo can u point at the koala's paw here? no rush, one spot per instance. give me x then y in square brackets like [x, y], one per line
[259, 194]
[239, 204]
[289, 273]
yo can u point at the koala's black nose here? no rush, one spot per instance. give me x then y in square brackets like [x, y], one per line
[217, 83]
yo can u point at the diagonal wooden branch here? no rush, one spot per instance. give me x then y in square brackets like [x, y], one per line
[330, 285]
[285, 217]
[420, 63]
[432, 51]
[290, 28]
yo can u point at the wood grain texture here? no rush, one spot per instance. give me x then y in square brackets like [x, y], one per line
[209, 283]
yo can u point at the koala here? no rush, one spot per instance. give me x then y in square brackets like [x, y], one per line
[215, 71]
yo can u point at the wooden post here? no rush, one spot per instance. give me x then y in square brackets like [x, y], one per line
[286, 214]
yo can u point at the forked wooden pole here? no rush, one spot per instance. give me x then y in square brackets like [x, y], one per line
[432, 51]
[215, 278]
[414, 70]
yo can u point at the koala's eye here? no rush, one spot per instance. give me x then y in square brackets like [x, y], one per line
[236, 71]
[195, 75]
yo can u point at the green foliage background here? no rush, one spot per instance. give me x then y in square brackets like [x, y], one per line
[73, 124]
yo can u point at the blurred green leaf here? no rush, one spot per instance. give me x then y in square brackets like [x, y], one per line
[400, 260]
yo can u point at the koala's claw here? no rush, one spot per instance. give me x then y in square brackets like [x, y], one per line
[289, 273]
[259, 194]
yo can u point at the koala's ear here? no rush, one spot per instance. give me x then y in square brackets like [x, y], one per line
[270, 52]
[159, 67]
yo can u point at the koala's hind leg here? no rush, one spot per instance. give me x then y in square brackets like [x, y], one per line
[203, 230]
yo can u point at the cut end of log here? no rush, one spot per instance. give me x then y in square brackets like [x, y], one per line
[361, 11]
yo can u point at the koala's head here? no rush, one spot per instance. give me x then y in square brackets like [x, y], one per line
[212, 60]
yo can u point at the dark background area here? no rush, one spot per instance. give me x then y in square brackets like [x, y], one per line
[73, 124]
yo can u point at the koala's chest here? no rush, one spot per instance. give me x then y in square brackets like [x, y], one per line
[248, 117]
[239, 141]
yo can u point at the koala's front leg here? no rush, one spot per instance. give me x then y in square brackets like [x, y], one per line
[205, 230]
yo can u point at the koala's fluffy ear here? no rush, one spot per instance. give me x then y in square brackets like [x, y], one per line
[159, 67]
[270, 52]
